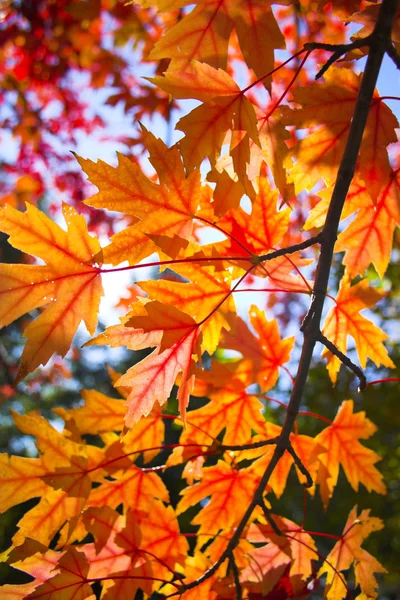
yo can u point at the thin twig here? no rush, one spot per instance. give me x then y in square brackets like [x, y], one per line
[269, 518]
[392, 53]
[251, 446]
[337, 49]
[345, 360]
[289, 249]
[300, 466]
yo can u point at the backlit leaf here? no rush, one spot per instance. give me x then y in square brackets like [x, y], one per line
[341, 440]
[347, 551]
[344, 319]
[69, 282]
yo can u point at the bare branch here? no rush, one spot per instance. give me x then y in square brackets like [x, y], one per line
[251, 446]
[269, 518]
[337, 49]
[392, 53]
[345, 360]
[290, 249]
[300, 466]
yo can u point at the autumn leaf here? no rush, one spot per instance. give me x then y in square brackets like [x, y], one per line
[99, 413]
[317, 156]
[295, 542]
[166, 208]
[344, 319]
[205, 297]
[229, 409]
[132, 487]
[266, 566]
[20, 480]
[204, 33]
[68, 282]
[69, 581]
[347, 552]
[152, 379]
[223, 483]
[262, 229]
[172, 323]
[341, 440]
[265, 353]
[224, 107]
[59, 478]
[369, 237]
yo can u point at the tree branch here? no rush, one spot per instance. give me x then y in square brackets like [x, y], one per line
[345, 360]
[269, 518]
[250, 446]
[392, 53]
[316, 239]
[378, 44]
[235, 573]
[300, 466]
[337, 49]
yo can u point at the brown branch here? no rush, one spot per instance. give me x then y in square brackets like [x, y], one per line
[337, 49]
[345, 360]
[269, 518]
[392, 53]
[235, 572]
[379, 41]
[316, 239]
[250, 446]
[300, 466]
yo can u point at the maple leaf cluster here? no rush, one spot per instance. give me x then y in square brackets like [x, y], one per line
[262, 132]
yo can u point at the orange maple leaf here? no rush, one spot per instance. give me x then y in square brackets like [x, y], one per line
[264, 354]
[151, 380]
[328, 109]
[101, 414]
[64, 465]
[203, 34]
[225, 108]
[69, 581]
[68, 282]
[166, 208]
[347, 551]
[224, 484]
[116, 552]
[262, 229]
[295, 543]
[344, 319]
[133, 487]
[229, 408]
[266, 566]
[369, 238]
[35, 560]
[205, 297]
[341, 440]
